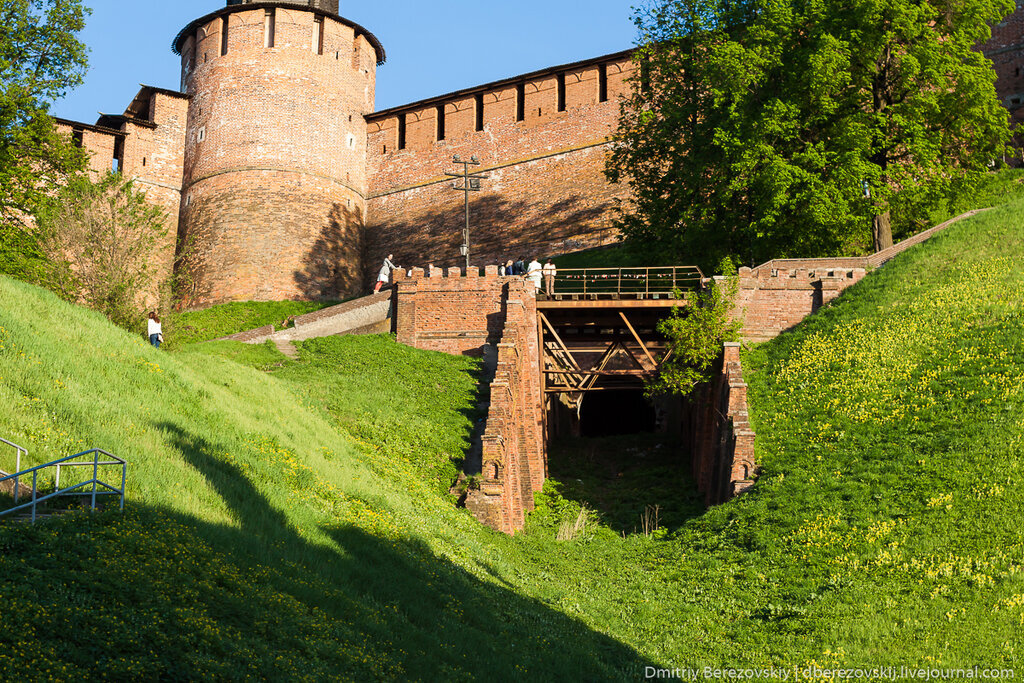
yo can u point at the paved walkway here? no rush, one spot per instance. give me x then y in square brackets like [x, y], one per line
[287, 348]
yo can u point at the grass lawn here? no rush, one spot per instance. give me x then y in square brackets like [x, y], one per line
[295, 524]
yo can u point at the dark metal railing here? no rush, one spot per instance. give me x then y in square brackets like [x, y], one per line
[600, 282]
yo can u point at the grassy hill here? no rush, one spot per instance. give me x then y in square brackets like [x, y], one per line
[295, 524]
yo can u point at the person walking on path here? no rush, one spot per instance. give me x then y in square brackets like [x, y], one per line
[384, 276]
[156, 334]
[549, 277]
[534, 273]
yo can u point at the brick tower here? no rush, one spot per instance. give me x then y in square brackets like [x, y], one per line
[273, 195]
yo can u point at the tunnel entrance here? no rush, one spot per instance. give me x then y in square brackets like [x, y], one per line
[617, 412]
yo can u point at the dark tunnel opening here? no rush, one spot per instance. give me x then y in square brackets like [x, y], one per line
[616, 413]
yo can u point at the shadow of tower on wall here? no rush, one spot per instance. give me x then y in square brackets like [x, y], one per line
[332, 267]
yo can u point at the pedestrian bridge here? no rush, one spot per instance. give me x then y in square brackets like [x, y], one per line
[598, 328]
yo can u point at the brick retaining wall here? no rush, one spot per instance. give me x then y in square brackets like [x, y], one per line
[469, 314]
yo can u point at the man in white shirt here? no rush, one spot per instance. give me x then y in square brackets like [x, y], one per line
[550, 271]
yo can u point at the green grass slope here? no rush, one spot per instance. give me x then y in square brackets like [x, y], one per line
[294, 524]
[258, 541]
[224, 320]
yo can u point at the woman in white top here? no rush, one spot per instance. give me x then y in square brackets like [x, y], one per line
[156, 336]
[534, 273]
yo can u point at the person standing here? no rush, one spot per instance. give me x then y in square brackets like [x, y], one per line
[534, 273]
[519, 267]
[501, 270]
[156, 333]
[384, 276]
[549, 277]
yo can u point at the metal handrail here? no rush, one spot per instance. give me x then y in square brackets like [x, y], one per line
[95, 482]
[17, 465]
[637, 281]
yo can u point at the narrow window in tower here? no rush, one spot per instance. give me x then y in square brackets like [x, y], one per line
[401, 131]
[201, 135]
[602, 78]
[561, 92]
[479, 111]
[318, 35]
[269, 27]
[223, 36]
[521, 102]
[118, 162]
[440, 122]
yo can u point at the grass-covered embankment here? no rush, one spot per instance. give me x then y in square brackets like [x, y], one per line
[223, 320]
[301, 514]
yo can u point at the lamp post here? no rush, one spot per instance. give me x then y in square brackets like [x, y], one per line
[470, 183]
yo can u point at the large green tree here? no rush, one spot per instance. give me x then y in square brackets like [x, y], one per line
[41, 58]
[772, 128]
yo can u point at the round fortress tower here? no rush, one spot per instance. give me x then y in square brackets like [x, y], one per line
[273, 194]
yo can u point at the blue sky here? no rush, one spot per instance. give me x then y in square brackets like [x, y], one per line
[433, 46]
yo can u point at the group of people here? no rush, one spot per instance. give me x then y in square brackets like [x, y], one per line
[539, 275]
[532, 271]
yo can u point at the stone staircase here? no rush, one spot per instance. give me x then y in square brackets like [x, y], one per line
[367, 315]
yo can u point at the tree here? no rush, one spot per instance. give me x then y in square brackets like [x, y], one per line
[102, 242]
[40, 60]
[695, 338]
[800, 128]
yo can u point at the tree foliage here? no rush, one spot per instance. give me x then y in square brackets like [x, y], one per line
[757, 125]
[40, 60]
[695, 337]
[102, 242]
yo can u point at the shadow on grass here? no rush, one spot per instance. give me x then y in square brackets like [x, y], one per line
[620, 476]
[158, 593]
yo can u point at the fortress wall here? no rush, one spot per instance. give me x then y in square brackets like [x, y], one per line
[779, 294]
[274, 175]
[1006, 50]
[463, 314]
[720, 436]
[773, 299]
[452, 313]
[546, 193]
[99, 143]
[153, 157]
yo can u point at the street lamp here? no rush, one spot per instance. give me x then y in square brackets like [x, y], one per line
[470, 183]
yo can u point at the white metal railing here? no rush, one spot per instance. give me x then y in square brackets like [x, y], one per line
[98, 486]
[17, 464]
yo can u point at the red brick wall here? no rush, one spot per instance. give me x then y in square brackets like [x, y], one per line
[457, 313]
[720, 436]
[275, 173]
[1006, 50]
[460, 314]
[777, 295]
[546, 194]
[775, 299]
[154, 158]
